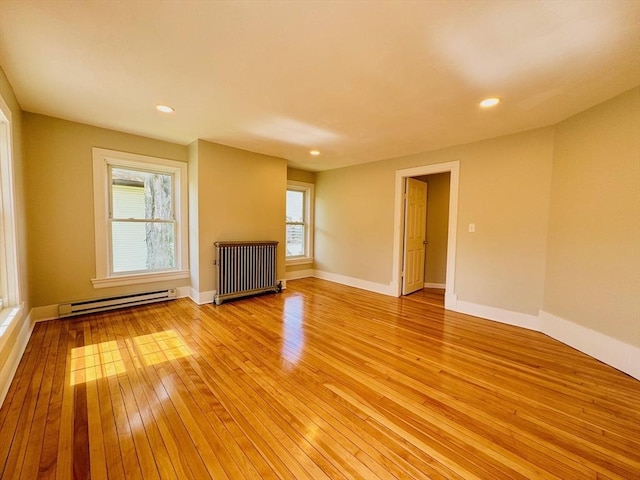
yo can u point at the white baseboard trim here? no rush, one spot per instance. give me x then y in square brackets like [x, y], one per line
[202, 297]
[8, 370]
[450, 300]
[283, 282]
[497, 314]
[42, 314]
[611, 351]
[300, 274]
[435, 285]
[356, 282]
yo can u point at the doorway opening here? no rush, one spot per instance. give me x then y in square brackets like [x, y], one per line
[425, 252]
[399, 223]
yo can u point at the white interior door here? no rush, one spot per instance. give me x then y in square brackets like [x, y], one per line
[415, 218]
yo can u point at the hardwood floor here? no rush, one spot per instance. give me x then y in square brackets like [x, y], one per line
[321, 381]
[429, 296]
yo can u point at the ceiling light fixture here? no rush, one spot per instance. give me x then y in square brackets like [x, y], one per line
[315, 152]
[490, 102]
[165, 108]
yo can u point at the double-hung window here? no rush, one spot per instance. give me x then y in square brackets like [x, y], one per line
[299, 223]
[140, 210]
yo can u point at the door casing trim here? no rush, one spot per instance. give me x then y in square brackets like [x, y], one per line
[398, 244]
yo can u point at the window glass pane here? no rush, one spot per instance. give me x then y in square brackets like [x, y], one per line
[295, 206]
[295, 240]
[142, 246]
[141, 195]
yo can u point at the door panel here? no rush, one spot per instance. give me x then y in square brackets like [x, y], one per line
[415, 218]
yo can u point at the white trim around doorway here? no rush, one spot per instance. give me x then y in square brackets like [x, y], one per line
[398, 225]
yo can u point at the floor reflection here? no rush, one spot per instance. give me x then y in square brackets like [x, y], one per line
[292, 331]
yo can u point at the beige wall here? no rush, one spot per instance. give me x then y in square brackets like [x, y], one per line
[298, 175]
[233, 194]
[593, 273]
[60, 205]
[354, 221]
[435, 265]
[241, 196]
[504, 189]
[15, 336]
[194, 211]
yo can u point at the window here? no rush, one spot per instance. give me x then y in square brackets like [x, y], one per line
[140, 218]
[299, 223]
[10, 301]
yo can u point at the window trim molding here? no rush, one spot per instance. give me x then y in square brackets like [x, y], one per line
[308, 189]
[138, 278]
[102, 159]
[10, 280]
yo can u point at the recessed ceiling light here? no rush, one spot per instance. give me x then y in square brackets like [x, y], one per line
[165, 108]
[315, 152]
[490, 102]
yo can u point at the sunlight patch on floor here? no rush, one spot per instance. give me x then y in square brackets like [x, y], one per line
[100, 360]
[95, 361]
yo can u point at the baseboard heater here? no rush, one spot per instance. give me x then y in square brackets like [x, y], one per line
[245, 268]
[111, 303]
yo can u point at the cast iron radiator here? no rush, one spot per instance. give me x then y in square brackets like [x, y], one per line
[245, 268]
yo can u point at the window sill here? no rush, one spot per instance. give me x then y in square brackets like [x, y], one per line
[139, 278]
[299, 261]
[8, 316]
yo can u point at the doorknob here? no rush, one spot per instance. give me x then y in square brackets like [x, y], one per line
[425, 242]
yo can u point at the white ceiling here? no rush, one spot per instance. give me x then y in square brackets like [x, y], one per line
[360, 81]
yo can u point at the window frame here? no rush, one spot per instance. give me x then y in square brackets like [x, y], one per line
[11, 305]
[103, 161]
[308, 190]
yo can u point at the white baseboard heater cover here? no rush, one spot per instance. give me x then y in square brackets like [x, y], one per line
[111, 303]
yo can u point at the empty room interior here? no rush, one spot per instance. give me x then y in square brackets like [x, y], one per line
[320, 240]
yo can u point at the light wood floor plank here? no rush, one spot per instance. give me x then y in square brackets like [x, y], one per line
[113, 458]
[321, 381]
[65, 460]
[97, 458]
[228, 342]
[29, 412]
[49, 354]
[49, 455]
[12, 409]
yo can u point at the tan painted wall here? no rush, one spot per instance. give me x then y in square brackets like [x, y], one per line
[435, 265]
[300, 268]
[298, 175]
[354, 221]
[233, 194]
[504, 189]
[593, 273]
[60, 205]
[194, 223]
[241, 197]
